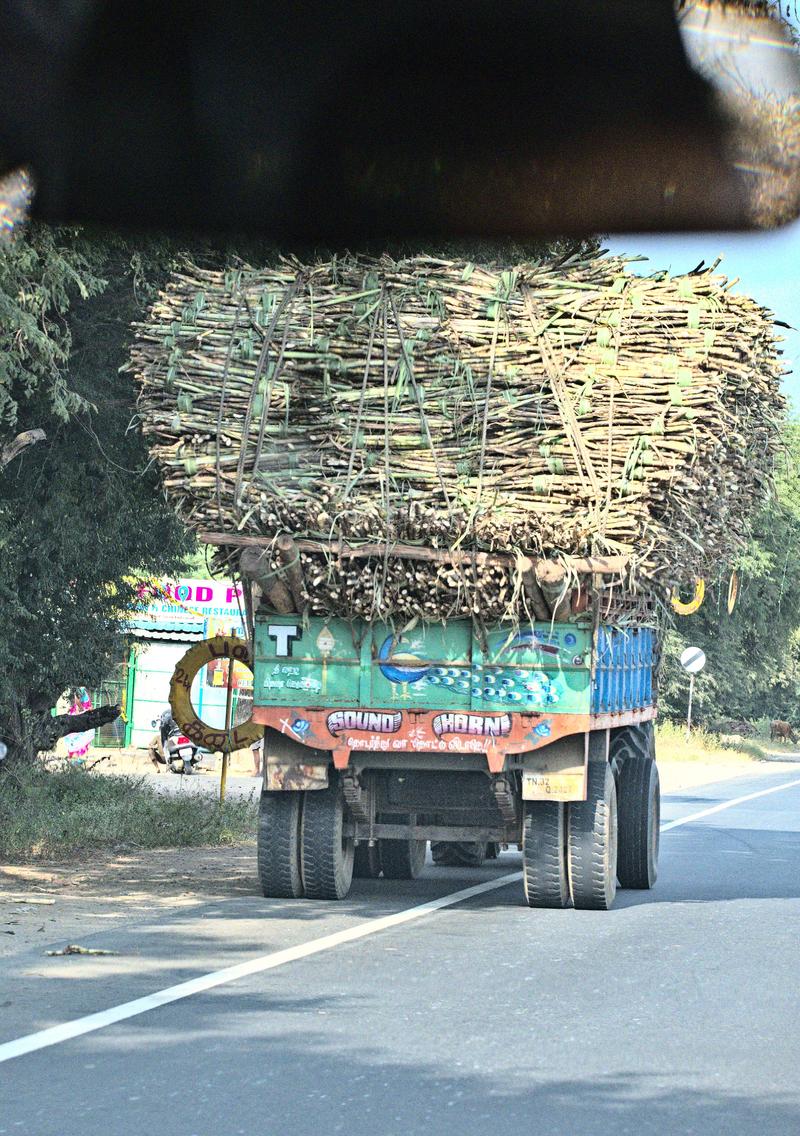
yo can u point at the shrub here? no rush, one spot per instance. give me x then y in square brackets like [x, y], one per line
[49, 812]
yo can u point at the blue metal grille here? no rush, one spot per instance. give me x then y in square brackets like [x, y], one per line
[623, 678]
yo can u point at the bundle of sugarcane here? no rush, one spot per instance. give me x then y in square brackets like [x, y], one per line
[424, 430]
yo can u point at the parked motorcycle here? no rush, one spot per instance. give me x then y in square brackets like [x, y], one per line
[172, 748]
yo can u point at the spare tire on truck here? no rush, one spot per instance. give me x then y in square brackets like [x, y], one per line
[367, 861]
[395, 859]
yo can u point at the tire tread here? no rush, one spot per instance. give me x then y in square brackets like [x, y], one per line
[544, 854]
[278, 846]
[591, 824]
[634, 866]
[327, 870]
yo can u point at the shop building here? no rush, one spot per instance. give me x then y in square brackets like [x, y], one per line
[177, 614]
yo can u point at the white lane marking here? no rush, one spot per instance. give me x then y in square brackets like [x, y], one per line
[92, 1022]
[728, 805]
[114, 1014]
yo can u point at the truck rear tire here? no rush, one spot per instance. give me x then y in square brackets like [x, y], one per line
[632, 742]
[367, 861]
[544, 854]
[639, 796]
[458, 854]
[403, 859]
[327, 855]
[592, 841]
[279, 845]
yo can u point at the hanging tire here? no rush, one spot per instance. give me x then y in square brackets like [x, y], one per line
[327, 855]
[639, 807]
[457, 854]
[544, 859]
[367, 861]
[403, 859]
[279, 845]
[592, 841]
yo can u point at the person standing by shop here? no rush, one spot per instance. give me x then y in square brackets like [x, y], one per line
[78, 744]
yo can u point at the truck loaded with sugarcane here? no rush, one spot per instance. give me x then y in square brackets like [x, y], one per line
[460, 498]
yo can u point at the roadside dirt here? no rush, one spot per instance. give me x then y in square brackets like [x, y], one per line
[46, 904]
[678, 775]
[136, 761]
[43, 902]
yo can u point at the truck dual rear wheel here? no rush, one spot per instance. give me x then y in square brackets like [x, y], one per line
[543, 859]
[367, 861]
[592, 841]
[403, 859]
[327, 855]
[639, 823]
[398, 859]
[632, 743]
[632, 750]
[279, 868]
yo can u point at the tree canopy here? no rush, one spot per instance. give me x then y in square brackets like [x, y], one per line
[753, 668]
[82, 510]
[41, 274]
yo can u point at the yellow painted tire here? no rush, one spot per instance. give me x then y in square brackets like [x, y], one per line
[692, 605]
[733, 591]
[180, 687]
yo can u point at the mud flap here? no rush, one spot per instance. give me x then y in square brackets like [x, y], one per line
[557, 772]
[291, 776]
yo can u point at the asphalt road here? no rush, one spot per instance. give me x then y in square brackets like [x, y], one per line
[676, 1012]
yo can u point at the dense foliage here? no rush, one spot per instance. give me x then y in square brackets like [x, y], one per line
[41, 274]
[82, 509]
[753, 668]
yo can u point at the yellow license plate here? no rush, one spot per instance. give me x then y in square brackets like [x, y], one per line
[553, 786]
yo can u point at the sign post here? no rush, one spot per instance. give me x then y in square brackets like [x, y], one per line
[226, 749]
[692, 660]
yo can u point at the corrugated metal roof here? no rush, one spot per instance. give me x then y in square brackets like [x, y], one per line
[166, 628]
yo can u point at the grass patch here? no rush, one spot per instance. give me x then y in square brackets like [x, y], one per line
[672, 745]
[61, 812]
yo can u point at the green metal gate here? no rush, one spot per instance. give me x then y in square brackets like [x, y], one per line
[110, 692]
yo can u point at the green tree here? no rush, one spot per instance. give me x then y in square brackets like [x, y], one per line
[753, 668]
[83, 510]
[41, 272]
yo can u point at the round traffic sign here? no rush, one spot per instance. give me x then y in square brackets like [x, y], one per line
[693, 660]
